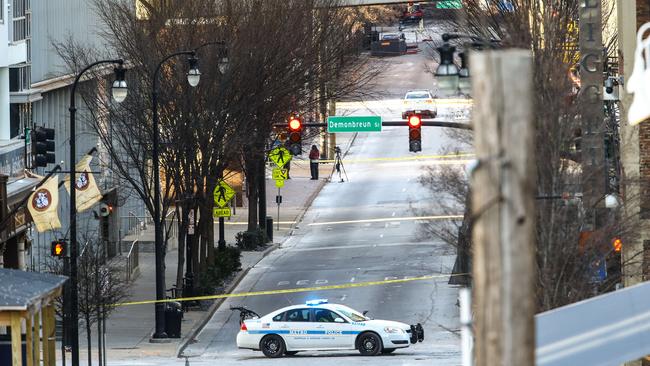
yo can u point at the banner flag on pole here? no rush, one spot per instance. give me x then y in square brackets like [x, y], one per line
[43, 205]
[87, 191]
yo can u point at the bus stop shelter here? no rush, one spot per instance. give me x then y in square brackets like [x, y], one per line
[27, 301]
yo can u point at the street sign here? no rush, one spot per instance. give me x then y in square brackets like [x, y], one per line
[279, 183]
[278, 199]
[280, 174]
[223, 193]
[609, 329]
[221, 212]
[280, 156]
[354, 124]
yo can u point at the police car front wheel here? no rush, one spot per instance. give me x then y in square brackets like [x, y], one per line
[369, 344]
[272, 346]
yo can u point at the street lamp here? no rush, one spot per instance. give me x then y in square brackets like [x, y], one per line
[193, 77]
[464, 81]
[447, 72]
[119, 94]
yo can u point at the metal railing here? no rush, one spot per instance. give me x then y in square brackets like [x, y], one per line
[135, 224]
[132, 260]
[171, 223]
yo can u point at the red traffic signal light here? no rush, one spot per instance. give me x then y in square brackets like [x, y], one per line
[415, 135]
[415, 121]
[58, 248]
[295, 134]
[294, 124]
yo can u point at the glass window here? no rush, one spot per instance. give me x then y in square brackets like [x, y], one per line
[352, 315]
[278, 318]
[297, 315]
[424, 95]
[325, 316]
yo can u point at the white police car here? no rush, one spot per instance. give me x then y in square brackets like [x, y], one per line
[317, 325]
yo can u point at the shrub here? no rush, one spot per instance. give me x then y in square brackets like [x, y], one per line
[226, 263]
[250, 240]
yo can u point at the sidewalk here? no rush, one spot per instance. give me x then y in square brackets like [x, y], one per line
[129, 328]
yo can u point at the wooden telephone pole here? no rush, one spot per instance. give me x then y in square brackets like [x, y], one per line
[503, 206]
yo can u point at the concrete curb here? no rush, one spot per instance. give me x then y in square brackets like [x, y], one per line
[196, 329]
[194, 332]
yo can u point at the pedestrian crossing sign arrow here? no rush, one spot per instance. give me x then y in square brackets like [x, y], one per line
[223, 193]
[280, 156]
[221, 212]
[280, 174]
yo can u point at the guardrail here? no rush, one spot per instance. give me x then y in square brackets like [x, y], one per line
[132, 260]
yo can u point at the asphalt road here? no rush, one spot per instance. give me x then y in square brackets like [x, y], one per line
[329, 247]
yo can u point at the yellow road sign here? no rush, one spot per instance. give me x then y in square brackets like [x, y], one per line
[279, 183]
[280, 174]
[280, 156]
[221, 212]
[223, 193]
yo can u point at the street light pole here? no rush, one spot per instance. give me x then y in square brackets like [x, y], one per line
[119, 93]
[193, 78]
[159, 332]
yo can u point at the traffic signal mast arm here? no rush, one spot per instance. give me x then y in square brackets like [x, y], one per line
[425, 122]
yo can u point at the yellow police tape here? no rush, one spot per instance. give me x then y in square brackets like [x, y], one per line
[403, 158]
[293, 290]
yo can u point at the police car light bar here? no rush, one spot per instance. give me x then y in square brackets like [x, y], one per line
[316, 302]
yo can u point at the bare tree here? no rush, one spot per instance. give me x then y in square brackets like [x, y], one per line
[100, 284]
[567, 256]
[275, 50]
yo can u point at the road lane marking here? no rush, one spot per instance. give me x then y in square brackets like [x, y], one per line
[320, 282]
[393, 214]
[302, 282]
[283, 283]
[351, 279]
[409, 218]
[380, 237]
[357, 246]
[438, 276]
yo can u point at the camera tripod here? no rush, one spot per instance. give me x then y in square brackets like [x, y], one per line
[338, 166]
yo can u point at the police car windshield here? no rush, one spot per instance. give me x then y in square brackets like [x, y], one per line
[353, 315]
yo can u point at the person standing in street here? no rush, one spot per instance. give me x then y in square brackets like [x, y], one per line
[314, 156]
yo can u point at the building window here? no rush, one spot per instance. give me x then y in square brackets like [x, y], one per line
[20, 78]
[20, 25]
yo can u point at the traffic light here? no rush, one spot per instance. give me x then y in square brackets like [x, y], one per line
[415, 133]
[59, 248]
[42, 147]
[295, 134]
[617, 244]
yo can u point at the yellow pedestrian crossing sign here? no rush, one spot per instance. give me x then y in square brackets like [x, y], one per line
[223, 193]
[280, 174]
[221, 212]
[280, 156]
[279, 183]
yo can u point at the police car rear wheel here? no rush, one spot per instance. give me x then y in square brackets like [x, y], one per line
[370, 344]
[272, 346]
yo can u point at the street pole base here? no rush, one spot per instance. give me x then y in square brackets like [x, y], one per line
[160, 338]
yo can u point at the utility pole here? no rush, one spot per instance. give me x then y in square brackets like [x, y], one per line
[503, 205]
